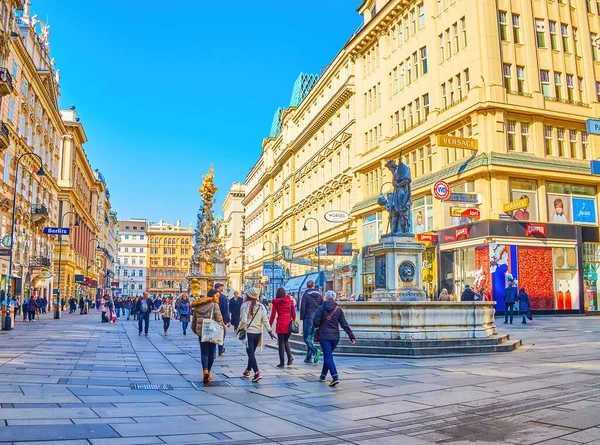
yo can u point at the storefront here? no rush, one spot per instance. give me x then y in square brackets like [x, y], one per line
[545, 259]
[591, 265]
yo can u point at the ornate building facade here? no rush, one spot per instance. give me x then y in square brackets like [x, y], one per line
[232, 235]
[133, 257]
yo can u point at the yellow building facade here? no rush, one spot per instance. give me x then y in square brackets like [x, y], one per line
[490, 97]
[168, 260]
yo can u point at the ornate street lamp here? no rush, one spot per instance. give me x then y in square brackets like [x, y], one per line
[318, 245]
[272, 268]
[40, 172]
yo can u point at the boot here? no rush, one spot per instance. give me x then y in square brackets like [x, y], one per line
[206, 376]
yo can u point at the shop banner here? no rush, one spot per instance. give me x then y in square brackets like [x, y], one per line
[519, 204]
[584, 210]
[426, 237]
[462, 232]
[535, 229]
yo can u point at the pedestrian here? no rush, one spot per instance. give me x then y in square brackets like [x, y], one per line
[284, 310]
[360, 297]
[25, 309]
[310, 302]
[32, 308]
[134, 311]
[235, 305]
[118, 307]
[510, 297]
[524, 305]
[72, 305]
[157, 303]
[167, 312]
[104, 310]
[328, 319]
[224, 307]
[184, 312]
[44, 305]
[144, 309]
[468, 294]
[253, 316]
[444, 295]
[483, 296]
[206, 308]
[127, 305]
[110, 309]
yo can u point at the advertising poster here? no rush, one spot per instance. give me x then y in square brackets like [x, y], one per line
[419, 223]
[584, 210]
[559, 209]
[503, 267]
[535, 272]
[528, 213]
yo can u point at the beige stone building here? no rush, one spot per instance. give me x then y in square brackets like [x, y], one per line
[232, 235]
[491, 97]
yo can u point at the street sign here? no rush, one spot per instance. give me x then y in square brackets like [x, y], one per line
[441, 190]
[6, 241]
[57, 230]
[4, 252]
[592, 126]
[272, 270]
[303, 261]
[337, 216]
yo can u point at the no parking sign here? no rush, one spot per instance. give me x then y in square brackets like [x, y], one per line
[441, 190]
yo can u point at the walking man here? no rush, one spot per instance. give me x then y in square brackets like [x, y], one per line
[235, 305]
[224, 307]
[311, 301]
[510, 297]
[144, 309]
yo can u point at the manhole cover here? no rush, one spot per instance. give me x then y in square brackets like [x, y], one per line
[210, 384]
[150, 386]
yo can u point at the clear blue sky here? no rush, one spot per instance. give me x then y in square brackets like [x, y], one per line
[164, 92]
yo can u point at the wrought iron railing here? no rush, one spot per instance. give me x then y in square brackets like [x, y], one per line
[39, 209]
[5, 76]
[40, 261]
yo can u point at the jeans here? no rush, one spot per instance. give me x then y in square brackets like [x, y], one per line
[284, 346]
[118, 310]
[328, 347]
[156, 315]
[253, 340]
[508, 310]
[31, 315]
[126, 313]
[207, 354]
[184, 325]
[143, 318]
[104, 316]
[308, 333]
[166, 323]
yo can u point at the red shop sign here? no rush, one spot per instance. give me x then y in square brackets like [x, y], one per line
[426, 237]
[471, 213]
[535, 229]
[462, 232]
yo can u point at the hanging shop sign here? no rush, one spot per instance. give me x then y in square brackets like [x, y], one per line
[426, 237]
[535, 229]
[441, 190]
[4, 252]
[461, 212]
[114, 284]
[339, 249]
[337, 216]
[79, 279]
[522, 203]
[321, 250]
[287, 253]
[592, 126]
[457, 142]
[462, 232]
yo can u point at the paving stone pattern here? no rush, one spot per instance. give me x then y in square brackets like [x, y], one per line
[72, 381]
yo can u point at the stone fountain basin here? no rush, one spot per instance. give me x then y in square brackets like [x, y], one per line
[420, 320]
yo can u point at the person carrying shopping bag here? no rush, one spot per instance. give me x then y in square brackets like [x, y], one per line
[166, 312]
[253, 316]
[206, 309]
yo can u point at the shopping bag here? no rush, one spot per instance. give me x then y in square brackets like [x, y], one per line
[212, 331]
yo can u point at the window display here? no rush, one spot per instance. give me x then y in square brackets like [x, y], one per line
[521, 189]
[569, 204]
[566, 278]
[591, 264]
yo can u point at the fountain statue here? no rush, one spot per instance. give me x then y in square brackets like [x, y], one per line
[208, 261]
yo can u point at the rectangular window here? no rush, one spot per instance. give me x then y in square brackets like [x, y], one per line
[516, 22]
[570, 88]
[503, 25]
[545, 79]
[540, 31]
[548, 140]
[561, 141]
[580, 84]
[418, 110]
[402, 82]
[408, 72]
[415, 63]
[14, 71]
[576, 41]
[11, 110]
[406, 30]
[463, 24]
[511, 130]
[441, 39]
[400, 33]
[558, 86]
[426, 105]
[525, 136]
[421, 16]
[459, 87]
[6, 168]
[553, 36]
[448, 44]
[395, 80]
[598, 91]
[467, 81]
[573, 143]
[594, 40]
[506, 72]
[24, 90]
[411, 121]
[521, 80]
[564, 30]
[429, 158]
[451, 84]
[394, 38]
[584, 146]
[424, 60]
[404, 119]
[397, 122]
[455, 32]
[413, 20]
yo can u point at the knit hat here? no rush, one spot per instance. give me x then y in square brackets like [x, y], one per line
[330, 295]
[253, 293]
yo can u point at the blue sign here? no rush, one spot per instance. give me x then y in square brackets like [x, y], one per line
[592, 126]
[463, 197]
[595, 167]
[57, 230]
[584, 210]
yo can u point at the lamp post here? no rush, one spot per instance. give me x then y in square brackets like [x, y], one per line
[40, 172]
[60, 220]
[318, 244]
[272, 268]
[242, 277]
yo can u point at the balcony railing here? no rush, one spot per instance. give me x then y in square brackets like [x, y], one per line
[39, 209]
[6, 82]
[40, 261]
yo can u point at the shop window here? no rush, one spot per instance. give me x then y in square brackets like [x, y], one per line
[422, 215]
[511, 131]
[566, 278]
[372, 228]
[571, 204]
[524, 189]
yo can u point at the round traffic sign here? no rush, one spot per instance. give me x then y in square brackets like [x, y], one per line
[6, 241]
[441, 190]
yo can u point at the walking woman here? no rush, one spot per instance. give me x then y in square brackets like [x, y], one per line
[328, 319]
[253, 316]
[206, 308]
[184, 308]
[167, 311]
[284, 309]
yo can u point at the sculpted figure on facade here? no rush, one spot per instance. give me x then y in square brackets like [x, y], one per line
[33, 22]
[399, 202]
[26, 8]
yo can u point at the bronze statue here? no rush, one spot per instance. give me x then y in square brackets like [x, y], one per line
[399, 202]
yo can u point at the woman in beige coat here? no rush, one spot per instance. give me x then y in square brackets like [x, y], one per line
[206, 308]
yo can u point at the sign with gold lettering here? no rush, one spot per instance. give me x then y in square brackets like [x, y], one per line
[457, 142]
[522, 203]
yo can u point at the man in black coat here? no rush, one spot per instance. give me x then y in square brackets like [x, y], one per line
[235, 305]
[468, 294]
[224, 307]
[311, 301]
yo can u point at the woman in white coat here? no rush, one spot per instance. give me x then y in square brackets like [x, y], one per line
[253, 316]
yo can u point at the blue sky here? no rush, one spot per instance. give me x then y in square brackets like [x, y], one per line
[165, 92]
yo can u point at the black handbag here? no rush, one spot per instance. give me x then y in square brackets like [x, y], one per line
[294, 327]
[242, 332]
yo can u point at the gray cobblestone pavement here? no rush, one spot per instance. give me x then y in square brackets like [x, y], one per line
[69, 382]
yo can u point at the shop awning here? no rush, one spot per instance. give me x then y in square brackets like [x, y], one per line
[294, 284]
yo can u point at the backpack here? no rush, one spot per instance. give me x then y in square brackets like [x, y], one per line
[144, 306]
